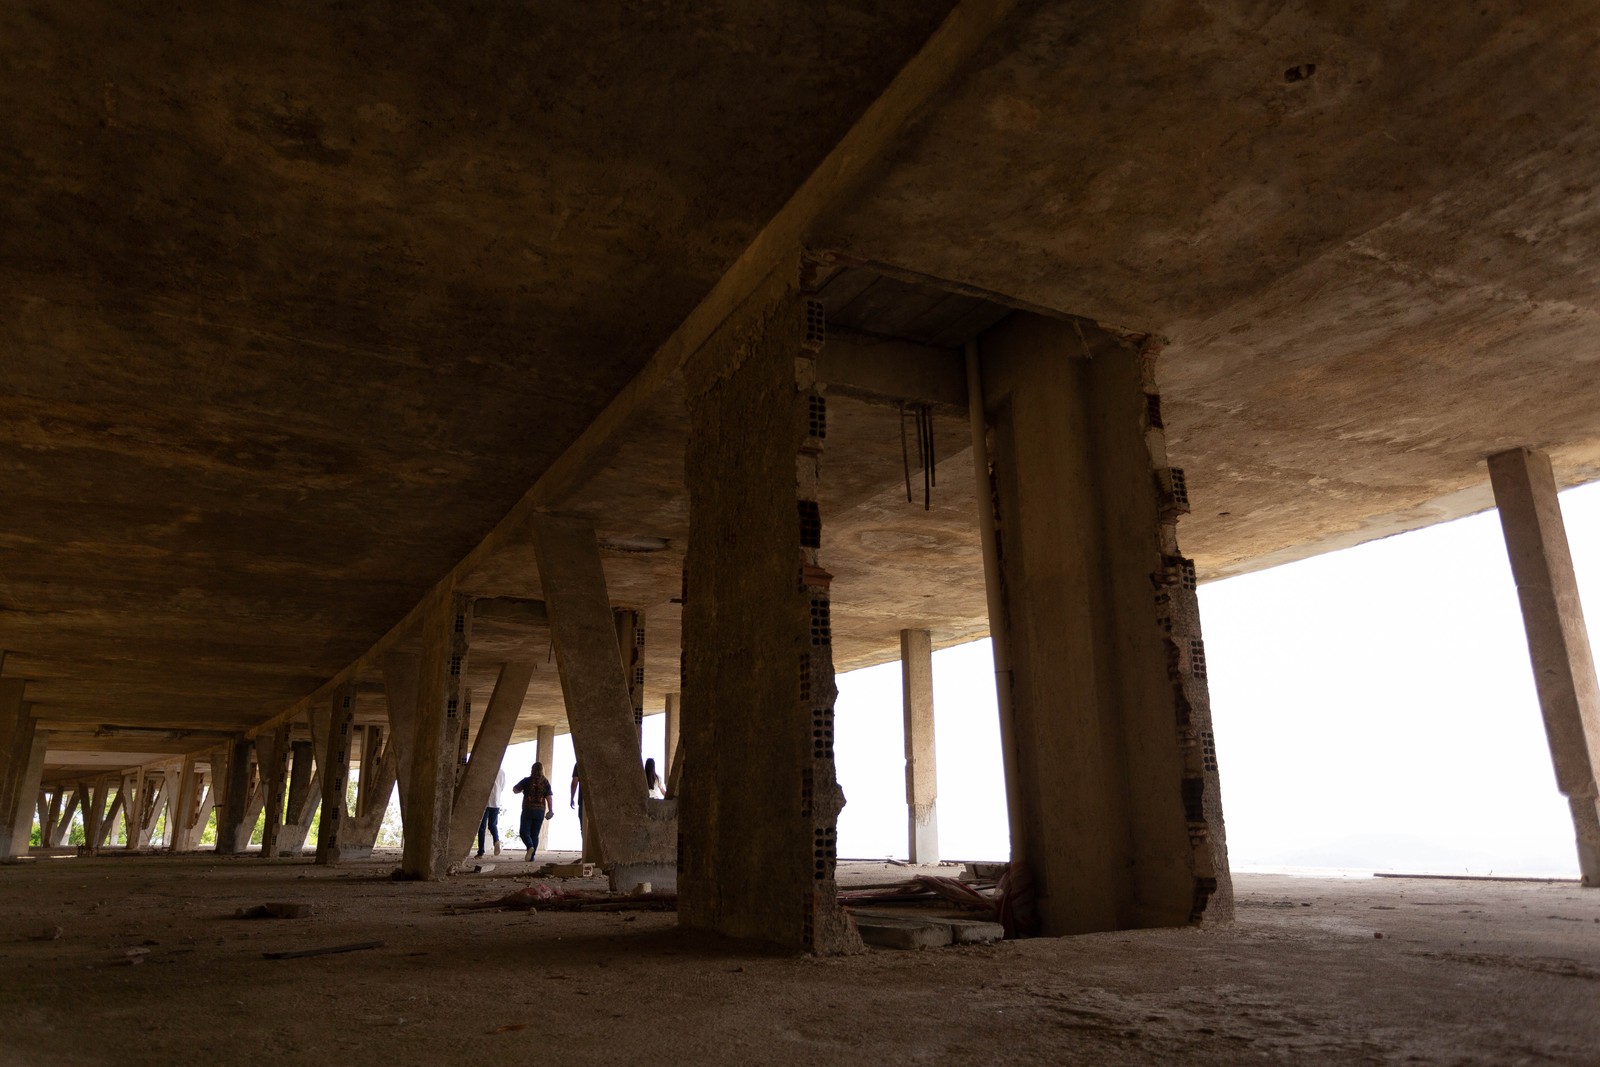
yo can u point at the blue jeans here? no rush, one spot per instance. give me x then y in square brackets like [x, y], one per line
[532, 820]
[490, 822]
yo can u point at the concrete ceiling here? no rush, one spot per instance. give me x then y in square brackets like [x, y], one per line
[299, 303]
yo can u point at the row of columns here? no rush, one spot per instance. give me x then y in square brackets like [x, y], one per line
[1111, 769]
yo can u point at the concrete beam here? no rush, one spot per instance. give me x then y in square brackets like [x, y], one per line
[639, 841]
[892, 371]
[1558, 639]
[922, 776]
[510, 610]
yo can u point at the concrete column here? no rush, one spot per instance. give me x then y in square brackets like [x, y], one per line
[545, 749]
[62, 819]
[639, 841]
[94, 809]
[378, 770]
[760, 801]
[155, 795]
[304, 800]
[488, 752]
[31, 771]
[630, 642]
[136, 809]
[432, 786]
[17, 736]
[331, 727]
[400, 675]
[922, 778]
[49, 813]
[108, 818]
[1558, 640]
[670, 756]
[370, 737]
[234, 803]
[1122, 819]
[461, 750]
[272, 756]
[184, 836]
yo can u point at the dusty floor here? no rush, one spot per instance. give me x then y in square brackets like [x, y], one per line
[1465, 972]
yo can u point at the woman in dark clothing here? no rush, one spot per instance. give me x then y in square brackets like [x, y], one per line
[537, 806]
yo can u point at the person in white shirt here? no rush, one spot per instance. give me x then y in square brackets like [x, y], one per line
[491, 813]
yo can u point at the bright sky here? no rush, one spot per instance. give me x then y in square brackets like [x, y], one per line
[1374, 708]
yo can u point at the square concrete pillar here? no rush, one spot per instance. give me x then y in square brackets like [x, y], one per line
[332, 726]
[760, 800]
[670, 746]
[304, 799]
[233, 833]
[431, 789]
[17, 737]
[545, 749]
[637, 839]
[1558, 639]
[1122, 822]
[922, 776]
[182, 835]
[30, 771]
[272, 757]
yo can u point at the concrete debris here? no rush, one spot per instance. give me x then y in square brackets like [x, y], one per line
[571, 870]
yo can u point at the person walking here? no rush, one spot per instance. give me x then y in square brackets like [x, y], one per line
[537, 807]
[491, 813]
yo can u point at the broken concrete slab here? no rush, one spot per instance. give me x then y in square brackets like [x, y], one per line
[886, 931]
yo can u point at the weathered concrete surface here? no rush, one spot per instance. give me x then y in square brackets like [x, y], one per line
[1558, 640]
[224, 227]
[431, 788]
[1107, 752]
[1365, 232]
[760, 799]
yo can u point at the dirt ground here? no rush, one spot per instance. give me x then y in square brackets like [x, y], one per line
[1464, 972]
